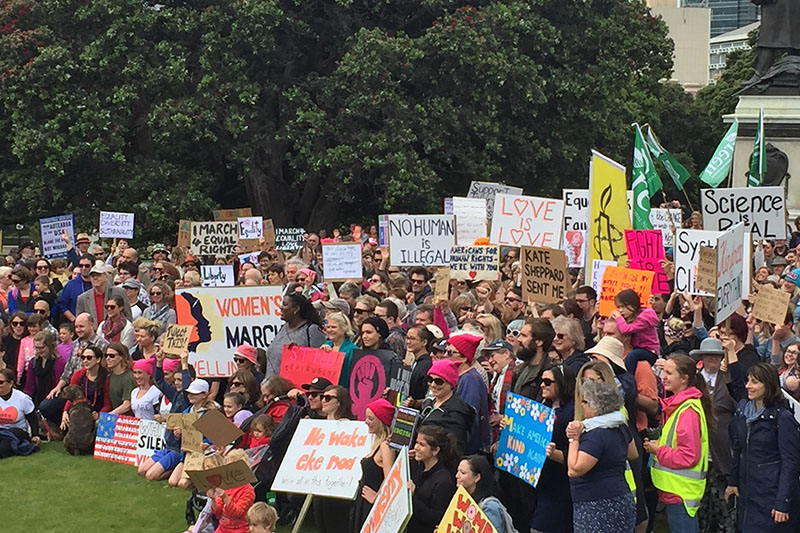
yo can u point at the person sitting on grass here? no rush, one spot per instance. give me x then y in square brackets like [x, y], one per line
[200, 400]
[14, 437]
[230, 506]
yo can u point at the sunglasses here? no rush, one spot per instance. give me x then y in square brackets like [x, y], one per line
[438, 381]
[417, 281]
[512, 299]
[158, 270]
[547, 382]
[87, 357]
[237, 384]
[329, 397]
[40, 311]
[314, 394]
[111, 355]
[4, 381]
[300, 280]
[17, 323]
[513, 332]
[42, 267]
[561, 336]
[18, 280]
[85, 266]
[155, 293]
[109, 307]
[239, 359]
[358, 311]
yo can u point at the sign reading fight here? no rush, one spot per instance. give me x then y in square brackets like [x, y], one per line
[421, 240]
[527, 221]
[214, 238]
[761, 209]
[645, 252]
[464, 515]
[730, 271]
[522, 444]
[225, 318]
[475, 262]
[392, 508]
[488, 190]
[324, 459]
[301, 365]
[52, 229]
[544, 275]
[116, 225]
[616, 279]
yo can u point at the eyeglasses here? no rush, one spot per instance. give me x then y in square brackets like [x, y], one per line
[237, 384]
[110, 307]
[158, 270]
[42, 267]
[87, 357]
[18, 280]
[358, 311]
[507, 299]
[437, 381]
[547, 382]
[111, 355]
[313, 394]
[300, 280]
[329, 397]
[17, 323]
[40, 311]
[513, 332]
[85, 265]
[561, 336]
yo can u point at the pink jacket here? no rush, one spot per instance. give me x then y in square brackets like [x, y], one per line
[25, 354]
[642, 330]
[688, 452]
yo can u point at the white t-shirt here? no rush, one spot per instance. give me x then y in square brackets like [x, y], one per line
[145, 407]
[14, 410]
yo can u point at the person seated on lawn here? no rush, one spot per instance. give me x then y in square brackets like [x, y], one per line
[200, 401]
[230, 506]
[16, 414]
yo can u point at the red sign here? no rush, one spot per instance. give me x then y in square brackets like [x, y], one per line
[301, 365]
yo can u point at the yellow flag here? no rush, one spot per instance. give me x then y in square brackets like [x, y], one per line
[608, 211]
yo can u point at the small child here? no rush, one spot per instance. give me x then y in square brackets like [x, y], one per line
[230, 505]
[233, 404]
[640, 323]
[260, 431]
[58, 270]
[262, 518]
[42, 291]
[66, 339]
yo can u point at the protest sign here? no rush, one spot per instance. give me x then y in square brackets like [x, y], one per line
[126, 439]
[301, 365]
[383, 230]
[608, 210]
[225, 318]
[191, 440]
[251, 258]
[324, 459]
[217, 275]
[228, 476]
[470, 216]
[645, 250]
[464, 515]
[421, 240]
[447, 206]
[771, 305]
[687, 244]
[706, 278]
[762, 210]
[369, 377]
[488, 190]
[51, 230]
[181, 420]
[576, 209]
[475, 262]
[730, 271]
[269, 233]
[399, 383]
[342, 261]
[522, 444]
[668, 221]
[214, 238]
[392, 508]
[598, 269]
[184, 239]
[794, 405]
[289, 239]
[116, 225]
[250, 228]
[176, 340]
[544, 275]
[403, 426]
[442, 288]
[527, 221]
[231, 215]
[616, 279]
[216, 427]
[575, 248]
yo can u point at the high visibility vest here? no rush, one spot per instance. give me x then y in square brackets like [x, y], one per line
[688, 483]
[630, 480]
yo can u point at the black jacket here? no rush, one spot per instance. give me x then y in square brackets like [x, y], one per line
[748, 356]
[419, 377]
[454, 416]
[434, 489]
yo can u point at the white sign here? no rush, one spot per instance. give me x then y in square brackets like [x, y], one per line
[342, 262]
[730, 271]
[668, 221]
[251, 228]
[470, 219]
[116, 225]
[214, 237]
[51, 230]
[598, 269]
[575, 247]
[249, 258]
[392, 508]
[448, 206]
[421, 240]
[150, 439]
[686, 254]
[324, 459]
[217, 275]
[488, 190]
[527, 221]
[761, 209]
[576, 209]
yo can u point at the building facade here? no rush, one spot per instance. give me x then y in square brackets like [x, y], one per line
[727, 15]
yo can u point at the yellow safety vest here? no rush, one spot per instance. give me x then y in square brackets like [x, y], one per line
[629, 479]
[688, 483]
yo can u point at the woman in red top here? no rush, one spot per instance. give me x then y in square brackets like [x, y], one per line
[274, 397]
[230, 505]
[92, 379]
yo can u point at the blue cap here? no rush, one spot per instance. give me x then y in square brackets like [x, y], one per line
[498, 345]
[794, 276]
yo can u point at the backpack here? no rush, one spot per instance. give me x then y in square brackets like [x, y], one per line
[509, 523]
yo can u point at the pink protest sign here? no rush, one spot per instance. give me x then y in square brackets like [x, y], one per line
[645, 249]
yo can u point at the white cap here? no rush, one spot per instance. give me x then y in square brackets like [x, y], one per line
[198, 386]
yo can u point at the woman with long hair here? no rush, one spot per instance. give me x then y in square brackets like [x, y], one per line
[302, 326]
[120, 378]
[244, 382]
[45, 369]
[92, 379]
[475, 474]
[435, 457]
[20, 298]
[160, 310]
[337, 404]
[116, 327]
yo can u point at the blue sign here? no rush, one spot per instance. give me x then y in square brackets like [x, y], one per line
[527, 432]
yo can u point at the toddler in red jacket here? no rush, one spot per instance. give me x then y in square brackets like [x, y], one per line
[259, 433]
[230, 506]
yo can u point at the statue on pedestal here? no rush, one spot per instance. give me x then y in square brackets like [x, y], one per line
[779, 34]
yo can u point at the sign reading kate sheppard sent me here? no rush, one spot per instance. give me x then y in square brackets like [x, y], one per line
[421, 240]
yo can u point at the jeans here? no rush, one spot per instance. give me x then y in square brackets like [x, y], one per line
[679, 520]
[52, 409]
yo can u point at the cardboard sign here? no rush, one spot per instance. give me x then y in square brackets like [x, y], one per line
[421, 240]
[229, 476]
[51, 229]
[470, 216]
[771, 305]
[176, 341]
[544, 275]
[369, 377]
[250, 228]
[464, 515]
[441, 290]
[668, 221]
[289, 239]
[324, 459]
[184, 239]
[403, 427]
[216, 427]
[730, 271]
[475, 263]
[598, 269]
[392, 509]
[126, 439]
[399, 384]
[706, 279]
[616, 279]
[575, 248]
[383, 230]
[214, 238]
[116, 225]
[522, 444]
[217, 275]
[762, 210]
[488, 191]
[181, 420]
[224, 319]
[301, 365]
[191, 440]
[269, 233]
[527, 221]
[231, 215]
[608, 210]
[342, 261]
[645, 252]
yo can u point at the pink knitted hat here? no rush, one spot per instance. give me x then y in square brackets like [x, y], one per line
[447, 370]
[383, 409]
[145, 365]
[466, 343]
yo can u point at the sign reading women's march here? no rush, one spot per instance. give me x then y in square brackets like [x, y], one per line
[421, 240]
[544, 275]
[116, 225]
[370, 374]
[214, 238]
[225, 318]
[645, 249]
[217, 275]
[488, 191]
[470, 216]
[52, 228]
[301, 365]
[522, 444]
[324, 459]
[617, 279]
[762, 210]
[730, 271]
[475, 262]
[342, 261]
[392, 508]
[527, 221]
[464, 515]
[608, 210]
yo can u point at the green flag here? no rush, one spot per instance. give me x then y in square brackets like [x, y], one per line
[645, 182]
[758, 161]
[720, 165]
[676, 171]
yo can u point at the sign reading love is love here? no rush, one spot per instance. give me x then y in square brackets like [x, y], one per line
[527, 221]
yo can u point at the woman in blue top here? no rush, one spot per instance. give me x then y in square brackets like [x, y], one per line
[339, 332]
[475, 474]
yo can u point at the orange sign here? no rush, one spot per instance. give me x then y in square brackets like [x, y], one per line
[617, 279]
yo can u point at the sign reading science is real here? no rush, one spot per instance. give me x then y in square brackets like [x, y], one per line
[225, 318]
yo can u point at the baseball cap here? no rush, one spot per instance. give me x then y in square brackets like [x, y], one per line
[441, 346]
[198, 386]
[99, 268]
[340, 304]
[27, 244]
[317, 384]
[131, 283]
[498, 345]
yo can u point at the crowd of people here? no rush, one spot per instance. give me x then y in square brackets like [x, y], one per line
[658, 408]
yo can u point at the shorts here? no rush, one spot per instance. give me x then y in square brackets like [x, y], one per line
[168, 459]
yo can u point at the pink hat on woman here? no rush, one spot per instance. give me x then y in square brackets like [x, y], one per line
[171, 365]
[310, 274]
[447, 370]
[466, 344]
[145, 365]
[248, 352]
[382, 409]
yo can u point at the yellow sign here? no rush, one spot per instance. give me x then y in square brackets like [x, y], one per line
[464, 515]
[608, 211]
